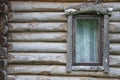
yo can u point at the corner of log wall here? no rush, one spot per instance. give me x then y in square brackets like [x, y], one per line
[4, 9]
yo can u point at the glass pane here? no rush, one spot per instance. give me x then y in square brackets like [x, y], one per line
[87, 40]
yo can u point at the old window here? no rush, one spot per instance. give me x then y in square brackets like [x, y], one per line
[87, 32]
[88, 40]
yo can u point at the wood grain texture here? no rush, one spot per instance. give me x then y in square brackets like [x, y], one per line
[37, 17]
[67, 0]
[38, 27]
[47, 17]
[58, 70]
[36, 47]
[114, 48]
[49, 58]
[114, 27]
[43, 77]
[37, 58]
[114, 38]
[50, 6]
[41, 36]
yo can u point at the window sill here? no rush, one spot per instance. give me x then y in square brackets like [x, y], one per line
[87, 68]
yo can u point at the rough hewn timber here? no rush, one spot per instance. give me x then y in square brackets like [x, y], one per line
[37, 58]
[37, 46]
[114, 38]
[37, 27]
[47, 17]
[115, 48]
[114, 27]
[38, 77]
[37, 16]
[49, 58]
[58, 70]
[67, 0]
[41, 36]
[4, 9]
[50, 6]
[51, 27]
[49, 47]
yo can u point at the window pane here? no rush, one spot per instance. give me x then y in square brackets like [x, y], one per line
[87, 40]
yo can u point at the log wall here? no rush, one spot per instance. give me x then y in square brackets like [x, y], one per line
[37, 45]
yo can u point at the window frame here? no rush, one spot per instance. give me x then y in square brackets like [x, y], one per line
[100, 50]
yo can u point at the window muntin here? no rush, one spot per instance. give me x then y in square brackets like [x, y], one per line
[87, 40]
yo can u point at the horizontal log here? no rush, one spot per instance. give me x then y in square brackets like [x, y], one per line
[114, 37]
[50, 6]
[115, 48]
[114, 27]
[49, 58]
[115, 17]
[48, 47]
[36, 47]
[44, 36]
[48, 36]
[40, 77]
[47, 17]
[58, 70]
[37, 16]
[36, 27]
[37, 58]
[15, 27]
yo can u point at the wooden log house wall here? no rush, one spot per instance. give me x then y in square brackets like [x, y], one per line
[37, 45]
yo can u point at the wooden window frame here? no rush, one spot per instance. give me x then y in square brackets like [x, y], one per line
[105, 47]
[100, 54]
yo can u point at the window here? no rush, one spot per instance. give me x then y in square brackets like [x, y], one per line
[88, 37]
[87, 40]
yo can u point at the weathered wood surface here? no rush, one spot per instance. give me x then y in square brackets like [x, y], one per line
[37, 27]
[37, 17]
[41, 36]
[115, 48]
[58, 70]
[3, 53]
[114, 38]
[37, 58]
[36, 47]
[49, 58]
[50, 6]
[49, 47]
[39, 77]
[47, 17]
[114, 27]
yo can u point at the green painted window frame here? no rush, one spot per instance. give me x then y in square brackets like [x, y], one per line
[100, 54]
